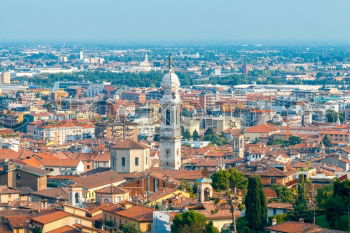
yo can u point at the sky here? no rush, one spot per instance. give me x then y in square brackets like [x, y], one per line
[175, 20]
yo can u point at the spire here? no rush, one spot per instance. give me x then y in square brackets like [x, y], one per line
[170, 62]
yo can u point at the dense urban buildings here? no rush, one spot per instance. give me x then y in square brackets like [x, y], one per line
[104, 138]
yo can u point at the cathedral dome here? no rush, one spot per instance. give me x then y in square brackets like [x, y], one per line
[170, 82]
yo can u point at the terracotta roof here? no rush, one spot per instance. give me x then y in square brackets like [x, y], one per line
[7, 190]
[181, 174]
[295, 227]
[280, 205]
[17, 221]
[263, 128]
[65, 229]
[51, 217]
[128, 144]
[138, 213]
[60, 162]
[32, 170]
[99, 179]
[161, 193]
[112, 190]
[270, 193]
[59, 193]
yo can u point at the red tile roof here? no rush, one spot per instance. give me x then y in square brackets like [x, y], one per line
[138, 213]
[51, 217]
[263, 128]
[17, 221]
[295, 227]
[129, 144]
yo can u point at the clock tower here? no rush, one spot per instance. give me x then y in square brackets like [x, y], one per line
[170, 131]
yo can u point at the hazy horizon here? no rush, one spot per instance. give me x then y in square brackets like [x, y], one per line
[154, 21]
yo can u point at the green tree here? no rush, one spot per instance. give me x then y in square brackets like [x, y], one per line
[209, 134]
[300, 204]
[130, 228]
[191, 222]
[293, 140]
[324, 194]
[230, 181]
[210, 228]
[186, 135]
[326, 141]
[332, 116]
[186, 144]
[195, 135]
[337, 206]
[283, 193]
[255, 202]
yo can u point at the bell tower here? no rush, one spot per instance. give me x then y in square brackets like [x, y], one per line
[238, 145]
[170, 131]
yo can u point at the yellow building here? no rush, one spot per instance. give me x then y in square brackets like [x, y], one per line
[165, 194]
[139, 215]
[8, 194]
[59, 219]
[98, 181]
[112, 194]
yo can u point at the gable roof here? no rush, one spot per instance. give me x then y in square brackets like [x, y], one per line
[98, 179]
[138, 213]
[129, 144]
[51, 217]
[57, 193]
[17, 221]
[297, 227]
[262, 128]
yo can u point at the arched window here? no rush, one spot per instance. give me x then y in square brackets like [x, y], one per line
[167, 117]
[206, 194]
[136, 161]
[77, 198]
[123, 161]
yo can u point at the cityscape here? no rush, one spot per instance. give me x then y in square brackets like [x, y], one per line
[103, 132]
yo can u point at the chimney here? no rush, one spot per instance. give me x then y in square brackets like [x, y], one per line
[43, 204]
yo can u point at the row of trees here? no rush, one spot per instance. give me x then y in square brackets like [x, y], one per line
[147, 79]
[292, 140]
[209, 135]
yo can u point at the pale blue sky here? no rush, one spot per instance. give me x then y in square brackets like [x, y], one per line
[149, 20]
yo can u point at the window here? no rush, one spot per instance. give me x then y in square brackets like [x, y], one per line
[88, 166]
[18, 176]
[123, 162]
[113, 162]
[167, 117]
[136, 161]
[273, 180]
